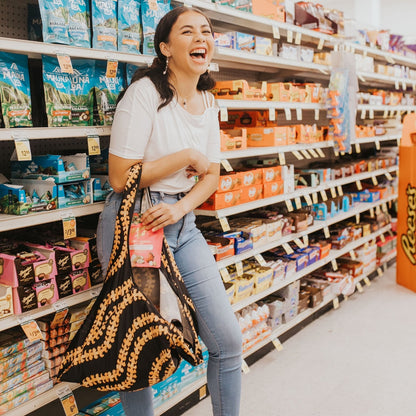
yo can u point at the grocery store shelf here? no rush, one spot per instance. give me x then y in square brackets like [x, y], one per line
[391, 108]
[334, 254]
[41, 400]
[36, 49]
[229, 57]
[381, 79]
[318, 225]
[373, 139]
[177, 398]
[13, 320]
[265, 105]
[13, 222]
[299, 193]
[262, 151]
[53, 132]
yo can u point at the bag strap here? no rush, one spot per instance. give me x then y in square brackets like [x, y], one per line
[120, 249]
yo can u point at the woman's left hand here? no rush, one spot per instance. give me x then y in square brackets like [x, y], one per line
[161, 215]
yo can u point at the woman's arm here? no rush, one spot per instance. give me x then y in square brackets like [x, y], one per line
[156, 170]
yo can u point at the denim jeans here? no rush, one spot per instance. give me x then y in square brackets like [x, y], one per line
[218, 327]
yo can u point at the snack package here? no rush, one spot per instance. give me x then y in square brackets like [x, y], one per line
[54, 21]
[79, 23]
[104, 24]
[129, 26]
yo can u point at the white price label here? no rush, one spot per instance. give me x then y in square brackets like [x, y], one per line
[353, 255]
[245, 367]
[288, 114]
[213, 67]
[316, 114]
[397, 84]
[340, 191]
[94, 145]
[224, 224]
[69, 227]
[287, 248]
[324, 196]
[377, 142]
[277, 344]
[336, 303]
[298, 203]
[363, 114]
[333, 192]
[306, 240]
[371, 114]
[289, 36]
[276, 32]
[385, 114]
[227, 165]
[282, 159]
[404, 86]
[225, 275]
[336, 153]
[357, 218]
[272, 114]
[367, 281]
[289, 205]
[308, 199]
[61, 304]
[380, 272]
[298, 242]
[388, 176]
[320, 152]
[306, 154]
[298, 38]
[23, 151]
[334, 265]
[239, 268]
[260, 259]
[357, 148]
[297, 155]
[320, 44]
[359, 185]
[326, 232]
[384, 207]
[359, 287]
[375, 181]
[372, 212]
[202, 392]
[68, 401]
[382, 238]
[315, 197]
[31, 330]
[223, 114]
[313, 153]
[299, 115]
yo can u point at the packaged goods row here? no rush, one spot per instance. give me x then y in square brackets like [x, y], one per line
[112, 25]
[382, 97]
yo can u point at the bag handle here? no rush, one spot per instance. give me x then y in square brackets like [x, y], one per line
[120, 249]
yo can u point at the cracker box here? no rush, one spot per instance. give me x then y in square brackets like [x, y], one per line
[223, 247]
[22, 365]
[279, 91]
[18, 378]
[15, 359]
[222, 200]
[224, 40]
[272, 174]
[264, 46]
[245, 42]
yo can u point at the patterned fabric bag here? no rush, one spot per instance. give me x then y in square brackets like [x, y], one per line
[125, 343]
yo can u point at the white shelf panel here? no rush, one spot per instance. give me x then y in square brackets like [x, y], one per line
[41, 400]
[13, 320]
[53, 132]
[384, 138]
[366, 77]
[13, 222]
[227, 55]
[334, 254]
[318, 225]
[368, 107]
[260, 151]
[177, 398]
[299, 193]
[265, 105]
[36, 49]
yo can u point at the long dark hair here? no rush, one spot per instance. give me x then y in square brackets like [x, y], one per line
[156, 70]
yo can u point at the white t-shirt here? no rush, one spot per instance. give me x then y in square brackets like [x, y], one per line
[140, 131]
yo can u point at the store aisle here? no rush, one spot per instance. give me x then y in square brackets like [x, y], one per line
[359, 360]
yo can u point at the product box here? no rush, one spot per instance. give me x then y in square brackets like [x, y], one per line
[279, 91]
[22, 365]
[303, 301]
[233, 139]
[71, 259]
[243, 287]
[80, 280]
[223, 247]
[315, 296]
[272, 174]
[245, 42]
[61, 169]
[222, 200]
[100, 187]
[224, 40]
[74, 194]
[273, 9]
[238, 90]
[13, 360]
[6, 301]
[18, 378]
[229, 182]
[12, 341]
[251, 193]
[95, 272]
[264, 46]
[251, 177]
[263, 277]
[271, 189]
[86, 243]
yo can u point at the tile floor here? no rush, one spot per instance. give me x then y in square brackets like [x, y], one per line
[359, 360]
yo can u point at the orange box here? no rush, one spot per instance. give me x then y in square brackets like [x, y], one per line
[222, 200]
[273, 188]
[273, 9]
[291, 134]
[251, 177]
[251, 193]
[313, 92]
[240, 119]
[234, 139]
[280, 138]
[272, 174]
[237, 90]
[279, 91]
[224, 247]
[230, 182]
[261, 136]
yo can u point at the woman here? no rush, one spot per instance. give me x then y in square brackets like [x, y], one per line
[168, 120]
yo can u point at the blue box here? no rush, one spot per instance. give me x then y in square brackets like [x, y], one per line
[245, 42]
[109, 405]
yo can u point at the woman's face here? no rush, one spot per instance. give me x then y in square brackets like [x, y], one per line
[191, 44]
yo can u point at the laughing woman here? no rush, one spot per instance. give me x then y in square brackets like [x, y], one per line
[168, 120]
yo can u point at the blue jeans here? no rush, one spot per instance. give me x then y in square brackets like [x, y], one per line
[218, 327]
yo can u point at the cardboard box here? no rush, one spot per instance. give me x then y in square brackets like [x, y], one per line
[18, 378]
[245, 42]
[222, 200]
[229, 182]
[233, 139]
[279, 91]
[238, 90]
[251, 193]
[264, 46]
[224, 40]
[6, 302]
[273, 9]
[224, 247]
[12, 341]
[273, 188]
[251, 177]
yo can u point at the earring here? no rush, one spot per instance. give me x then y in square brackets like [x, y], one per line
[166, 67]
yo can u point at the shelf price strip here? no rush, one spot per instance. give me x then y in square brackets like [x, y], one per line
[69, 227]
[23, 151]
[94, 145]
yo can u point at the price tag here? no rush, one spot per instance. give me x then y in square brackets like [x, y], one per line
[297, 155]
[94, 292]
[363, 113]
[357, 218]
[272, 114]
[287, 248]
[213, 67]
[336, 153]
[404, 86]
[298, 203]
[340, 191]
[315, 197]
[277, 344]
[59, 317]
[68, 401]
[31, 330]
[382, 238]
[320, 44]
[388, 176]
[276, 32]
[299, 114]
[336, 47]
[245, 367]
[65, 63]
[336, 303]
[203, 392]
[288, 114]
[333, 192]
[324, 196]
[298, 242]
[385, 114]
[23, 151]
[367, 281]
[334, 265]
[282, 159]
[357, 147]
[375, 181]
[379, 271]
[223, 114]
[359, 186]
[377, 144]
[372, 212]
[389, 59]
[313, 153]
[94, 145]
[111, 71]
[308, 199]
[227, 165]
[359, 287]
[414, 86]
[378, 210]
[225, 275]
[352, 255]
[371, 114]
[239, 268]
[306, 154]
[397, 85]
[298, 38]
[326, 232]
[260, 259]
[345, 297]
[224, 224]
[384, 207]
[69, 227]
[289, 205]
[316, 114]
[306, 240]
[289, 36]
[320, 152]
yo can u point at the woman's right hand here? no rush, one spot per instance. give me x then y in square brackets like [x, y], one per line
[199, 164]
